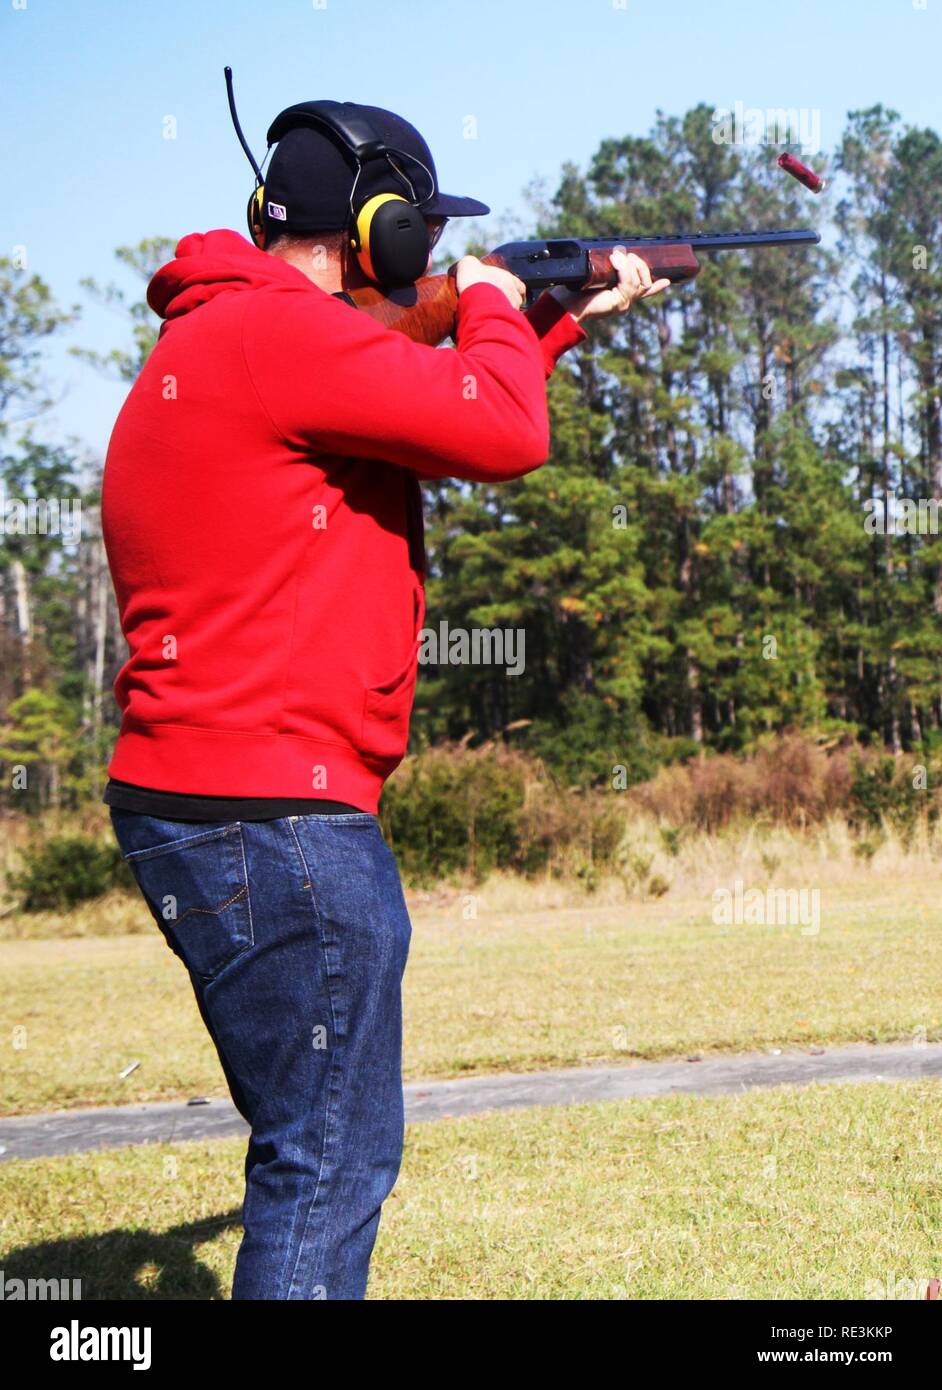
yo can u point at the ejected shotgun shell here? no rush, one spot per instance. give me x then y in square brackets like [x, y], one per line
[801, 172]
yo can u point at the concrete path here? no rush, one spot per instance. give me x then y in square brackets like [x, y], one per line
[71, 1131]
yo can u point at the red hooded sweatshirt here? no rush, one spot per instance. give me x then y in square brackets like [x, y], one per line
[263, 524]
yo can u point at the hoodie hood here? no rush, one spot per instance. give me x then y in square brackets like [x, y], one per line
[211, 263]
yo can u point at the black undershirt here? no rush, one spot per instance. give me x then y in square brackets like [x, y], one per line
[182, 806]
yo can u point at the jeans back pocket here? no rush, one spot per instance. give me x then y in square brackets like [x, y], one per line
[198, 892]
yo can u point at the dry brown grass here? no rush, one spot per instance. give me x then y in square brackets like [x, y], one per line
[690, 865]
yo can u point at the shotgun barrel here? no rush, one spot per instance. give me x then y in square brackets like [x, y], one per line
[583, 263]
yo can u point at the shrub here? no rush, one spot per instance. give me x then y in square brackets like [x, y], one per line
[883, 791]
[452, 811]
[65, 870]
[873, 793]
[792, 780]
[568, 832]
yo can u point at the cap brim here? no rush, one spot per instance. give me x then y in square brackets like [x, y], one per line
[446, 205]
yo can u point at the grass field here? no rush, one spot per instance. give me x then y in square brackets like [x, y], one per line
[821, 1192]
[826, 1191]
[531, 982]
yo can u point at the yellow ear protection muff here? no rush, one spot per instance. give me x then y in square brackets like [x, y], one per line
[255, 215]
[391, 246]
[388, 234]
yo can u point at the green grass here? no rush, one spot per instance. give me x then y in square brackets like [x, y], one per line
[820, 1192]
[515, 989]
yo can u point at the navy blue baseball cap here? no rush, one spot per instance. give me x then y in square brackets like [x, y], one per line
[311, 175]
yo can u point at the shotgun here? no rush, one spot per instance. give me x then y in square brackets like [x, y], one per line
[426, 311]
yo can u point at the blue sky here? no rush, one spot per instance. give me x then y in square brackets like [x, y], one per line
[88, 85]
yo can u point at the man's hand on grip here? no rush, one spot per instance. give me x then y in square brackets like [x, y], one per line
[470, 271]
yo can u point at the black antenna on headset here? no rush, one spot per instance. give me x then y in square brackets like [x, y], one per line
[238, 129]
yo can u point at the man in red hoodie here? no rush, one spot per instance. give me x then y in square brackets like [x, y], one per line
[263, 524]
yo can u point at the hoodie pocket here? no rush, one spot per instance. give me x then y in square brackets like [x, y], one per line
[387, 707]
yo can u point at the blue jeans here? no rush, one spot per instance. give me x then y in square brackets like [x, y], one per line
[295, 934]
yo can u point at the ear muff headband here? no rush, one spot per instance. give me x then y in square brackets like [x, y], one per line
[356, 132]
